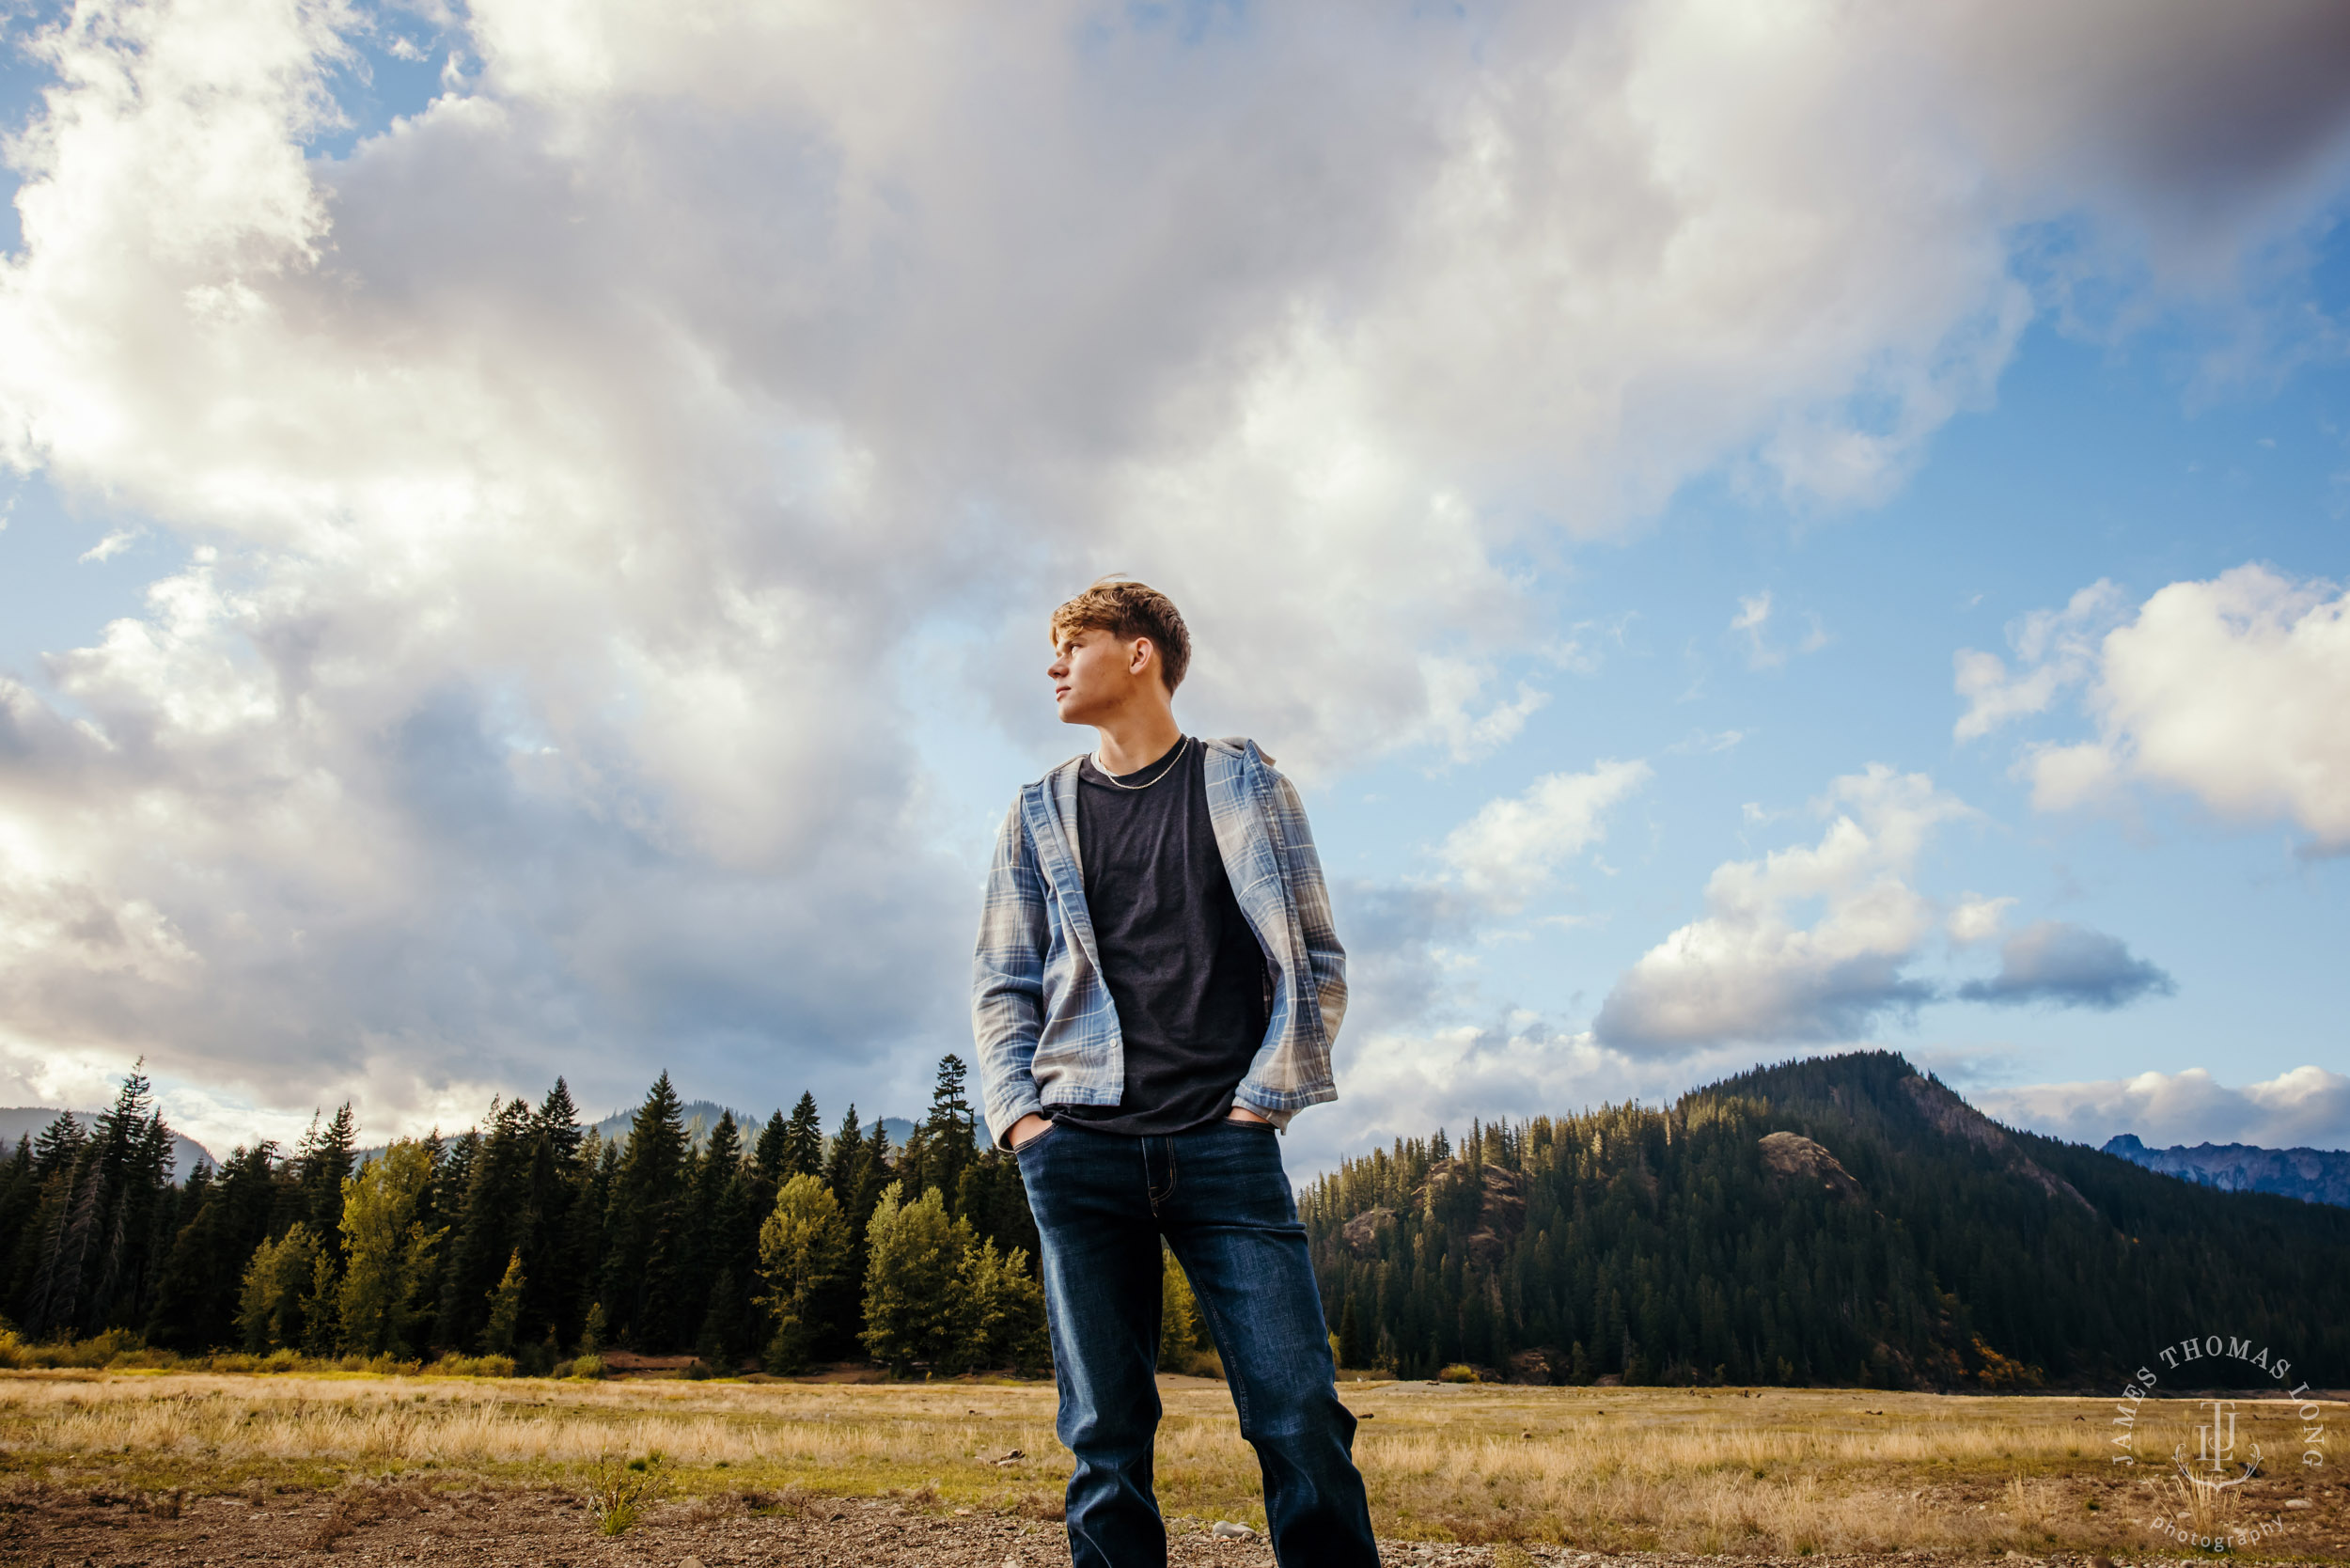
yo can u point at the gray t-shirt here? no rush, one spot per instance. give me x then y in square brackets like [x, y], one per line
[1178, 958]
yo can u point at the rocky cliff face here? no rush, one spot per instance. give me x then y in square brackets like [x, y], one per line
[1954, 1118]
[1799, 1160]
[2312, 1175]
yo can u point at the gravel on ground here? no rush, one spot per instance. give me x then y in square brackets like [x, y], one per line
[54, 1527]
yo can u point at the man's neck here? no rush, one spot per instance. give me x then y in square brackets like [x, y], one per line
[1131, 742]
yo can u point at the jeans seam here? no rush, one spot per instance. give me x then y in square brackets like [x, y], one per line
[1155, 1196]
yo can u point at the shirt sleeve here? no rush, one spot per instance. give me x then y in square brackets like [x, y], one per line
[1324, 959]
[1007, 980]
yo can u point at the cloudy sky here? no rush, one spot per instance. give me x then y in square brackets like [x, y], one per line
[1759, 529]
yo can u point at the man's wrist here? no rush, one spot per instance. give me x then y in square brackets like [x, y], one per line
[1242, 1113]
[1021, 1132]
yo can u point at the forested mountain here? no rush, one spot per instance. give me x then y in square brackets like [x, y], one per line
[1838, 1220]
[2312, 1175]
[532, 1236]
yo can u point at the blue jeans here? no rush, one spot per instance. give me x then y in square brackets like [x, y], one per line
[1220, 1197]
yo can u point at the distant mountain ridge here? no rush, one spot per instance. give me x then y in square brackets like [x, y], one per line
[23, 1122]
[2311, 1175]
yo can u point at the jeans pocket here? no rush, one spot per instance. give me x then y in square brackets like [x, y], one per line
[1020, 1149]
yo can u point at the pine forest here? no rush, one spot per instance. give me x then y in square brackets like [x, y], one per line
[1842, 1220]
[531, 1242]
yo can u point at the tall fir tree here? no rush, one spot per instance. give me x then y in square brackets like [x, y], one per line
[492, 1222]
[840, 1158]
[562, 1170]
[804, 1139]
[323, 1160]
[644, 1284]
[767, 1154]
[953, 1140]
[714, 1219]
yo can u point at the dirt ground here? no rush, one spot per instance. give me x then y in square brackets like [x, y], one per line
[54, 1529]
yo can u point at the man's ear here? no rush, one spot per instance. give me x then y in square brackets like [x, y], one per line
[1138, 659]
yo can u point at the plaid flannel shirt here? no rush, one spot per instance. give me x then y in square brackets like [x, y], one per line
[1041, 1018]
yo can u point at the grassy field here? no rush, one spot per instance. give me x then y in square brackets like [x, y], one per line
[1713, 1470]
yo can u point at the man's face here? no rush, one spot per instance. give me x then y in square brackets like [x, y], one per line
[1094, 673]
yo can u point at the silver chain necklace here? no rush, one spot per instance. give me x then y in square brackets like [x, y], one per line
[1173, 755]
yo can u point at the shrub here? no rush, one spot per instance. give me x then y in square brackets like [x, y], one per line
[1460, 1371]
[98, 1351]
[586, 1366]
[472, 1366]
[617, 1493]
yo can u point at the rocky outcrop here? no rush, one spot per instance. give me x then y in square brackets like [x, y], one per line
[1800, 1162]
[1953, 1117]
[1484, 1205]
[1365, 1234]
[1489, 1198]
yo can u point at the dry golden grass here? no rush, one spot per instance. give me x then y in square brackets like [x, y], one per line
[1781, 1471]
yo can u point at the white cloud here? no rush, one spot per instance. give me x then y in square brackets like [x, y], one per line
[1753, 621]
[575, 453]
[112, 545]
[1747, 970]
[1507, 853]
[1975, 919]
[2058, 649]
[2307, 1107]
[1753, 615]
[2230, 691]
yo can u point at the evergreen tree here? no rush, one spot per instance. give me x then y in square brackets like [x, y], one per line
[85, 1260]
[561, 1257]
[768, 1152]
[840, 1158]
[954, 1142]
[804, 1139]
[321, 1304]
[913, 1255]
[995, 1200]
[201, 1286]
[725, 1243]
[597, 1168]
[493, 1221]
[643, 1286]
[873, 1172]
[388, 1250]
[276, 1281]
[323, 1163]
[803, 1252]
[504, 1308]
[19, 1196]
[179, 1288]
[998, 1307]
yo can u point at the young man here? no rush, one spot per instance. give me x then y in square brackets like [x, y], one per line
[1154, 997]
